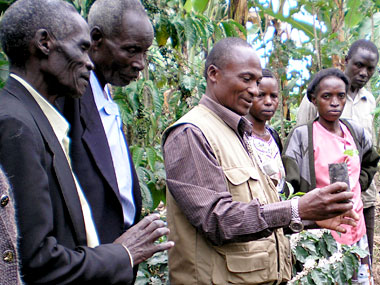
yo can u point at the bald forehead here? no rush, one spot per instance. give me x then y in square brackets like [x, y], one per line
[242, 56]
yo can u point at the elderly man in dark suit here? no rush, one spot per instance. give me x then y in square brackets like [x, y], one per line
[47, 44]
[121, 33]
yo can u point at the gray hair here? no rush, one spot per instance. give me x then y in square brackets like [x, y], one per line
[24, 18]
[108, 14]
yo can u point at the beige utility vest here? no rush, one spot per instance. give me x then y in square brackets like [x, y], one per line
[194, 260]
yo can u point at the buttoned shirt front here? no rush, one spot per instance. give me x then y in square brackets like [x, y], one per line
[112, 124]
[61, 128]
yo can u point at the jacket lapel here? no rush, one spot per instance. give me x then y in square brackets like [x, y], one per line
[60, 164]
[95, 139]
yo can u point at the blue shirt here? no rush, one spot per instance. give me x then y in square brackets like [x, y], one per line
[112, 124]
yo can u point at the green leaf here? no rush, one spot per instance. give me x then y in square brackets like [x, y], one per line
[200, 5]
[137, 155]
[330, 242]
[162, 31]
[351, 152]
[349, 266]
[301, 254]
[190, 31]
[155, 194]
[188, 82]
[239, 26]
[309, 245]
[323, 248]
[151, 157]
[353, 16]
[319, 277]
[357, 250]
[147, 200]
[229, 29]
[338, 273]
[188, 6]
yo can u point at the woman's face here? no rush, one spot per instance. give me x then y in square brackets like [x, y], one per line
[330, 98]
[265, 104]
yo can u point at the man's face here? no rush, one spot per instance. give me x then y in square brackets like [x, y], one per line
[237, 83]
[360, 67]
[69, 65]
[122, 57]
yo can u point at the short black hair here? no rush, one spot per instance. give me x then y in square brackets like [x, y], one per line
[24, 18]
[108, 14]
[268, 73]
[222, 52]
[312, 89]
[363, 44]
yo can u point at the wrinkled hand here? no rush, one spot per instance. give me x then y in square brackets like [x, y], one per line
[336, 223]
[140, 238]
[325, 203]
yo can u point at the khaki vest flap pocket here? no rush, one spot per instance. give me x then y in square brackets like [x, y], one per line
[238, 176]
[247, 262]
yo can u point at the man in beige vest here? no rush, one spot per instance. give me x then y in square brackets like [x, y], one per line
[224, 213]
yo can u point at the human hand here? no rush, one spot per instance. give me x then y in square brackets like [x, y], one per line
[336, 223]
[325, 203]
[140, 239]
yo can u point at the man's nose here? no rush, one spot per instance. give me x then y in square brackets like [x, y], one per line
[254, 88]
[139, 62]
[88, 63]
[363, 72]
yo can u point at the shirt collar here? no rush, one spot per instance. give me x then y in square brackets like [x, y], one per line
[362, 94]
[100, 99]
[359, 95]
[238, 123]
[57, 121]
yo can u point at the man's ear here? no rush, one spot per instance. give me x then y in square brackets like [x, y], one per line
[43, 41]
[213, 73]
[96, 37]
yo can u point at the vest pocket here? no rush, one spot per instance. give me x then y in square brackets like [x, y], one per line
[254, 263]
[237, 178]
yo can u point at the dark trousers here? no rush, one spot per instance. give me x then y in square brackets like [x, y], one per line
[369, 217]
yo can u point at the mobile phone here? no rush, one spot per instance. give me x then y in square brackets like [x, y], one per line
[338, 172]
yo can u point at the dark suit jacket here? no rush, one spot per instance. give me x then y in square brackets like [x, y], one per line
[92, 163]
[51, 227]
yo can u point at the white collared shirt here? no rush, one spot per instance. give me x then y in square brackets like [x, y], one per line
[360, 110]
[61, 128]
[112, 124]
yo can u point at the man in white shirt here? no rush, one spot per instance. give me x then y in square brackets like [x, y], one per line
[47, 44]
[361, 62]
[121, 34]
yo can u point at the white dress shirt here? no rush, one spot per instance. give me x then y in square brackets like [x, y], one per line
[112, 124]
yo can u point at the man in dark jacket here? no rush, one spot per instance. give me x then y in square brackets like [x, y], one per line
[47, 44]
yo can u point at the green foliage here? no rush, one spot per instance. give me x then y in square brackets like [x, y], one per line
[321, 260]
